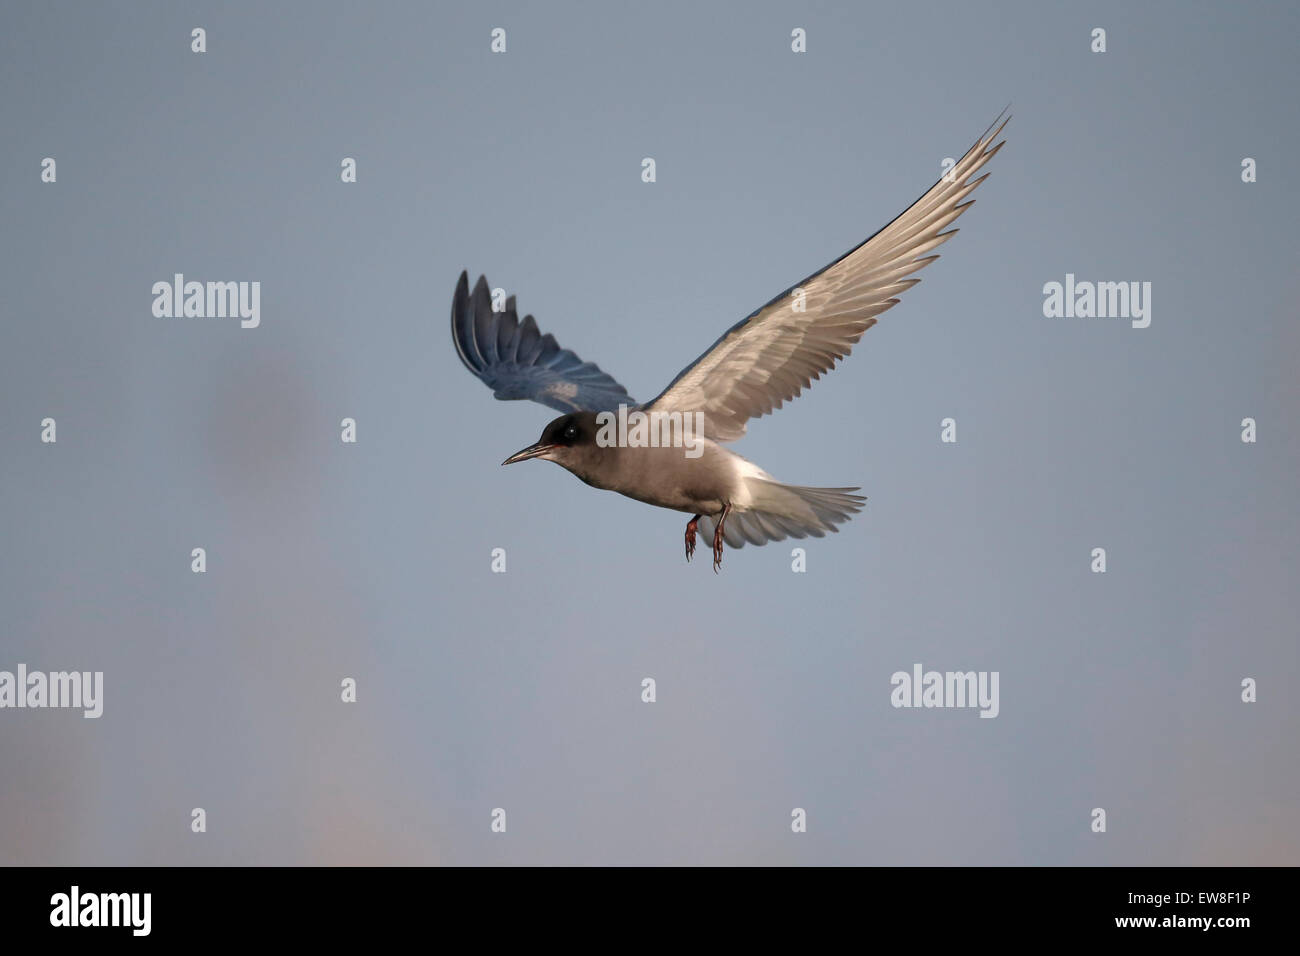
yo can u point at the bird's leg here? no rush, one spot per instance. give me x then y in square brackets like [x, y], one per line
[717, 538]
[691, 527]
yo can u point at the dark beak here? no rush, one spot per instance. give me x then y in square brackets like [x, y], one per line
[532, 451]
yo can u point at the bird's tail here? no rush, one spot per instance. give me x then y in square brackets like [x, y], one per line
[778, 511]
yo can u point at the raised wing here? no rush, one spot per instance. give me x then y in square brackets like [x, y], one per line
[517, 361]
[774, 354]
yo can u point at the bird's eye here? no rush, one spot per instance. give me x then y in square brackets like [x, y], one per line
[571, 433]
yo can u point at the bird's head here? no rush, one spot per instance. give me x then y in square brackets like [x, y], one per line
[569, 441]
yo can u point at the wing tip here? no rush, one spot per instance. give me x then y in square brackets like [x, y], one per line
[1000, 123]
[462, 321]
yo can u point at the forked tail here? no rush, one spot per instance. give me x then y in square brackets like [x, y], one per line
[778, 511]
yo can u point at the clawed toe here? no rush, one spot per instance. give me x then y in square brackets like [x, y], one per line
[691, 527]
[717, 539]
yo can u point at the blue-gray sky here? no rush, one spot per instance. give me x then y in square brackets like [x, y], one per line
[522, 690]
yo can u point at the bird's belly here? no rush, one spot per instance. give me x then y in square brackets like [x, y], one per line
[666, 478]
[678, 499]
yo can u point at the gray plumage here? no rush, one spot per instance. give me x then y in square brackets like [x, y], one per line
[756, 366]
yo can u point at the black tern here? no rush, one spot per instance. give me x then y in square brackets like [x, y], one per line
[758, 364]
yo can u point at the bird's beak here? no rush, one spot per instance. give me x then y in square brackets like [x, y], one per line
[532, 451]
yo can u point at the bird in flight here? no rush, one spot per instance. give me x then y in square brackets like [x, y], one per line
[677, 460]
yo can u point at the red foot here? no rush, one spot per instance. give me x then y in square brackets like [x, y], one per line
[691, 527]
[717, 539]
